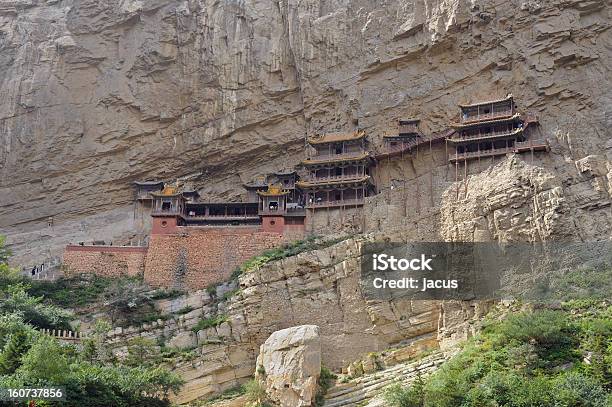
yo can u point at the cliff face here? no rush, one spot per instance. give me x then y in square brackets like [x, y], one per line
[96, 94]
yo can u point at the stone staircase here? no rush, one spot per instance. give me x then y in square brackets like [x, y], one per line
[358, 392]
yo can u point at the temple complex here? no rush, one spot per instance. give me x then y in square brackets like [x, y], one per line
[492, 128]
[180, 206]
[187, 241]
[338, 171]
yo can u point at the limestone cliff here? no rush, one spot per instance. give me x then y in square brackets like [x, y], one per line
[96, 94]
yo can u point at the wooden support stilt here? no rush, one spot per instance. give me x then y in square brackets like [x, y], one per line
[327, 210]
[457, 175]
[342, 206]
[465, 176]
[418, 194]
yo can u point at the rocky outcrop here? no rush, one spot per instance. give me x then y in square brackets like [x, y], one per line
[320, 287]
[289, 365]
[516, 201]
[96, 94]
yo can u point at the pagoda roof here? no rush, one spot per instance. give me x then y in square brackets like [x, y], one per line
[273, 190]
[149, 183]
[336, 137]
[168, 190]
[333, 159]
[485, 122]
[487, 102]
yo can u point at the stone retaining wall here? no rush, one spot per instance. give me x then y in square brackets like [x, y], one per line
[108, 261]
[197, 257]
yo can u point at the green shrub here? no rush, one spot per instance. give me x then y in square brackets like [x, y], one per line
[210, 322]
[73, 292]
[529, 359]
[185, 310]
[399, 396]
[15, 299]
[326, 379]
[287, 250]
[255, 392]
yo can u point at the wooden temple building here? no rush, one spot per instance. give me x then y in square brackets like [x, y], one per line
[338, 171]
[492, 128]
[408, 139]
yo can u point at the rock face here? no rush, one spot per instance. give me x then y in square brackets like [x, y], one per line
[96, 94]
[289, 365]
[320, 287]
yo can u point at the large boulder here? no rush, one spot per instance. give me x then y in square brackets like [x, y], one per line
[289, 365]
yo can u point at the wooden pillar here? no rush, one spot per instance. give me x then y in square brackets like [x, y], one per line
[466, 174]
[327, 211]
[457, 172]
[342, 206]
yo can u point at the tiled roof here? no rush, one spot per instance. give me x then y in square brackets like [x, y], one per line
[335, 137]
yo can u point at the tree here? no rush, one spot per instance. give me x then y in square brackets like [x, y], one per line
[10, 358]
[140, 351]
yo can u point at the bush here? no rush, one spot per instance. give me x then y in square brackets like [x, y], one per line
[575, 389]
[29, 358]
[529, 359]
[326, 379]
[72, 292]
[14, 299]
[209, 322]
[399, 396]
[255, 393]
[287, 250]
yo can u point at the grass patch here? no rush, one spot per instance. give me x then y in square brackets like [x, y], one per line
[326, 380]
[185, 310]
[209, 322]
[287, 250]
[163, 294]
[72, 292]
[228, 394]
[256, 394]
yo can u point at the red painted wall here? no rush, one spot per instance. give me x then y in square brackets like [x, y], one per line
[164, 225]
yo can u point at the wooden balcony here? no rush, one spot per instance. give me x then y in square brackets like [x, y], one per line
[299, 211]
[221, 218]
[332, 178]
[485, 136]
[519, 147]
[322, 158]
[487, 116]
[330, 204]
[407, 147]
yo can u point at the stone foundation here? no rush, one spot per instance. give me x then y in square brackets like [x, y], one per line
[197, 257]
[105, 261]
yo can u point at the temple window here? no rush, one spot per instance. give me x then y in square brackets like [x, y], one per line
[166, 206]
